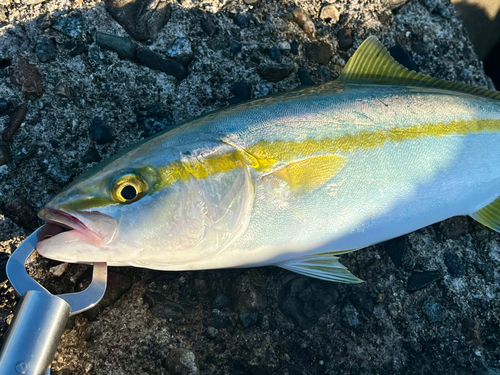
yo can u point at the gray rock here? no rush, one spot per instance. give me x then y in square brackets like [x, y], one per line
[221, 301]
[275, 73]
[420, 47]
[235, 47]
[124, 47]
[5, 155]
[70, 25]
[434, 311]
[155, 61]
[248, 318]
[163, 308]
[142, 19]
[95, 56]
[181, 361]
[351, 315]
[275, 54]
[420, 280]
[45, 49]
[431, 4]
[181, 51]
[319, 52]
[56, 170]
[249, 292]
[454, 265]
[211, 333]
[99, 131]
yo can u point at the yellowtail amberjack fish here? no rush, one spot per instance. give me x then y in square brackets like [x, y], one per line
[292, 180]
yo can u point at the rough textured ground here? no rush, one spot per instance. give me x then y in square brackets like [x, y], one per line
[430, 302]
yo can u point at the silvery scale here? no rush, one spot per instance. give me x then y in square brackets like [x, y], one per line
[33, 336]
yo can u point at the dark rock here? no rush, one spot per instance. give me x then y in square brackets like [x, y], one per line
[419, 280]
[431, 4]
[153, 124]
[401, 56]
[345, 38]
[79, 49]
[434, 311]
[362, 301]
[263, 360]
[3, 263]
[351, 315]
[217, 319]
[294, 47]
[241, 20]
[154, 109]
[325, 73]
[5, 155]
[251, 2]
[181, 51]
[20, 212]
[304, 300]
[91, 156]
[5, 62]
[275, 73]
[54, 143]
[124, 47]
[420, 47]
[249, 292]
[118, 285]
[55, 170]
[396, 249]
[248, 318]
[142, 19]
[99, 131]
[454, 265]
[43, 21]
[235, 47]
[211, 333]
[319, 52]
[275, 54]
[242, 91]
[444, 12]
[63, 90]
[4, 106]
[221, 301]
[96, 56]
[28, 77]
[454, 227]
[208, 26]
[181, 361]
[304, 77]
[155, 61]
[45, 49]
[487, 270]
[163, 308]
[69, 25]
[329, 14]
[16, 118]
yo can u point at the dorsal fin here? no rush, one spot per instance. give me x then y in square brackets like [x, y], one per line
[372, 63]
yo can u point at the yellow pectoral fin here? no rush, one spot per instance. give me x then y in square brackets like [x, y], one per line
[310, 174]
[489, 215]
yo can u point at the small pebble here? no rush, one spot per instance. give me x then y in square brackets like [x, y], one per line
[305, 77]
[396, 249]
[242, 91]
[16, 118]
[434, 311]
[45, 49]
[5, 155]
[124, 47]
[91, 156]
[325, 73]
[95, 55]
[275, 54]
[251, 2]
[444, 12]
[4, 106]
[99, 131]
[217, 319]
[345, 38]
[294, 47]
[155, 61]
[310, 29]
[351, 315]
[420, 280]
[319, 52]
[63, 90]
[329, 14]
[56, 171]
[299, 16]
[208, 26]
[420, 47]
[211, 333]
[454, 265]
[221, 301]
[59, 269]
[431, 4]
[241, 20]
[69, 25]
[43, 21]
[235, 47]
[248, 318]
[181, 361]
[181, 51]
[399, 54]
[28, 77]
[275, 73]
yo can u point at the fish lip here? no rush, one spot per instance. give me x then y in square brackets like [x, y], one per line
[69, 221]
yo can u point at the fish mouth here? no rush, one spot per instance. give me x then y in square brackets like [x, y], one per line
[61, 221]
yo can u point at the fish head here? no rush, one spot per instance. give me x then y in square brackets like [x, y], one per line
[156, 217]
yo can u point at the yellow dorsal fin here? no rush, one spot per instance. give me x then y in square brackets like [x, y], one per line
[372, 63]
[489, 215]
[310, 174]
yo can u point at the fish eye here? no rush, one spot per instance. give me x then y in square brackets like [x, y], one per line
[129, 188]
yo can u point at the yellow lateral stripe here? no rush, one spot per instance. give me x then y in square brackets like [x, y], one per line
[270, 154]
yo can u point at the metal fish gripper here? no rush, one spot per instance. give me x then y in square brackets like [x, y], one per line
[33, 336]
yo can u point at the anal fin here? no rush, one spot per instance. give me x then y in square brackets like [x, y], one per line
[323, 266]
[489, 215]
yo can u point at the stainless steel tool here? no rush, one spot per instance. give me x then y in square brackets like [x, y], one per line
[31, 341]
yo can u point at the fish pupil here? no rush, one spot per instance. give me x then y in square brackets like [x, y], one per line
[129, 192]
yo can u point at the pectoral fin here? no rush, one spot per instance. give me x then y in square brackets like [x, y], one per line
[321, 266]
[310, 174]
[489, 215]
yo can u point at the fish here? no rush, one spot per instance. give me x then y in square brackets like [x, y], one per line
[292, 180]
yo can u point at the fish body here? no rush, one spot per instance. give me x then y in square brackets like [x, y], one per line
[291, 180]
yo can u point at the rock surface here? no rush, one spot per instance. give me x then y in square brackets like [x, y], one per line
[241, 321]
